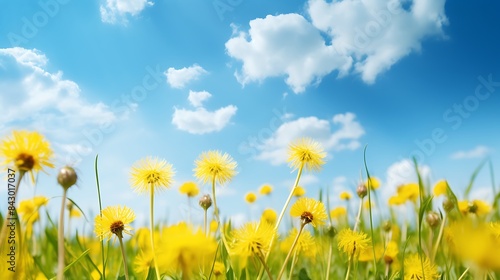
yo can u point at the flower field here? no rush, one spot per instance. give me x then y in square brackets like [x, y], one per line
[455, 239]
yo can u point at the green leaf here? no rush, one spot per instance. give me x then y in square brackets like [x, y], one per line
[473, 178]
[303, 275]
[74, 262]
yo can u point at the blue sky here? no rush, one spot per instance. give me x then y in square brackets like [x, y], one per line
[128, 79]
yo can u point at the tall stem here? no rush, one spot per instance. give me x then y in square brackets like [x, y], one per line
[291, 250]
[330, 252]
[438, 240]
[205, 221]
[297, 179]
[152, 232]
[3, 232]
[124, 257]
[217, 217]
[261, 258]
[60, 241]
[358, 218]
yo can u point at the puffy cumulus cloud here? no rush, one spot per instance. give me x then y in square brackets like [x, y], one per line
[196, 98]
[35, 98]
[377, 33]
[285, 45]
[348, 36]
[477, 152]
[344, 137]
[403, 172]
[179, 78]
[202, 121]
[116, 11]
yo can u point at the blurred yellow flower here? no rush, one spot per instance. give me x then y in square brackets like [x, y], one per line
[391, 252]
[307, 153]
[367, 254]
[73, 212]
[373, 183]
[269, 216]
[495, 229]
[190, 189]
[219, 270]
[478, 207]
[338, 212]
[250, 197]
[440, 187]
[28, 151]
[476, 242]
[345, 195]
[214, 226]
[368, 205]
[151, 174]
[140, 239]
[187, 250]
[266, 190]
[351, 242]
[414, 265]
[215, 166]
[143, 262]
[305, 245]
[29, 211]
[251, 239]
[299, 191]
[409, 192]
[114, 220]
[396, 200]
[309, 210]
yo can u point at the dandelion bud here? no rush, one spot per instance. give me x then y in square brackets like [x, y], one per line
[205, 202]
[433, 219]
[330, 231]
[67, 177]
[387, 226]
[362, 191]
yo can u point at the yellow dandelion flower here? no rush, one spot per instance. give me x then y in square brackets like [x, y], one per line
[250, 197]
[73, 212]
[475, 242]
[151, 174]
[409, 192]
[306, 244]
[307, 153]
[372, 182]
[190, 189]
[143, 262]
[309, 210]
[266, 190]
[345, 195]
[396, 200]
[299, 191]
[251, 239]
[478, 207]
[213, 165]
[28, 151]
[140, 240]
[352, 242]
[391, 252]
[214, 226]
[269, 216]
[413, 268]
[338, 212]
[440, 187]
[219, 270]
[188, 250]
[114, 220]
[367, 254]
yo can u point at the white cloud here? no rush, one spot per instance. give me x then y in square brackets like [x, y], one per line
[116, 11]
[178, 78]
[275, 148]
[369, 35]
[201, 121]
[196, 98]
[285, 45]
[35, 98]
[377, 33]
[477, 152]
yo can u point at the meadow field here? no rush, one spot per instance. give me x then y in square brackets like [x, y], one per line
[455, 239]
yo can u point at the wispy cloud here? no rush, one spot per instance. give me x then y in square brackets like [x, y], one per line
[477, 152]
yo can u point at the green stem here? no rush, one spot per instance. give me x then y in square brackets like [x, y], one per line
[291, 250]
[463, 274]
[152, 233]
[60, 241]
[438, 240]
[297, 179]
[330, 251]
[103, 275]
[358, 218]
[3, 232]
[124, 257]
[260, 256]
[294, 262]
[217, 217]
[205, 222]
[349, 267]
